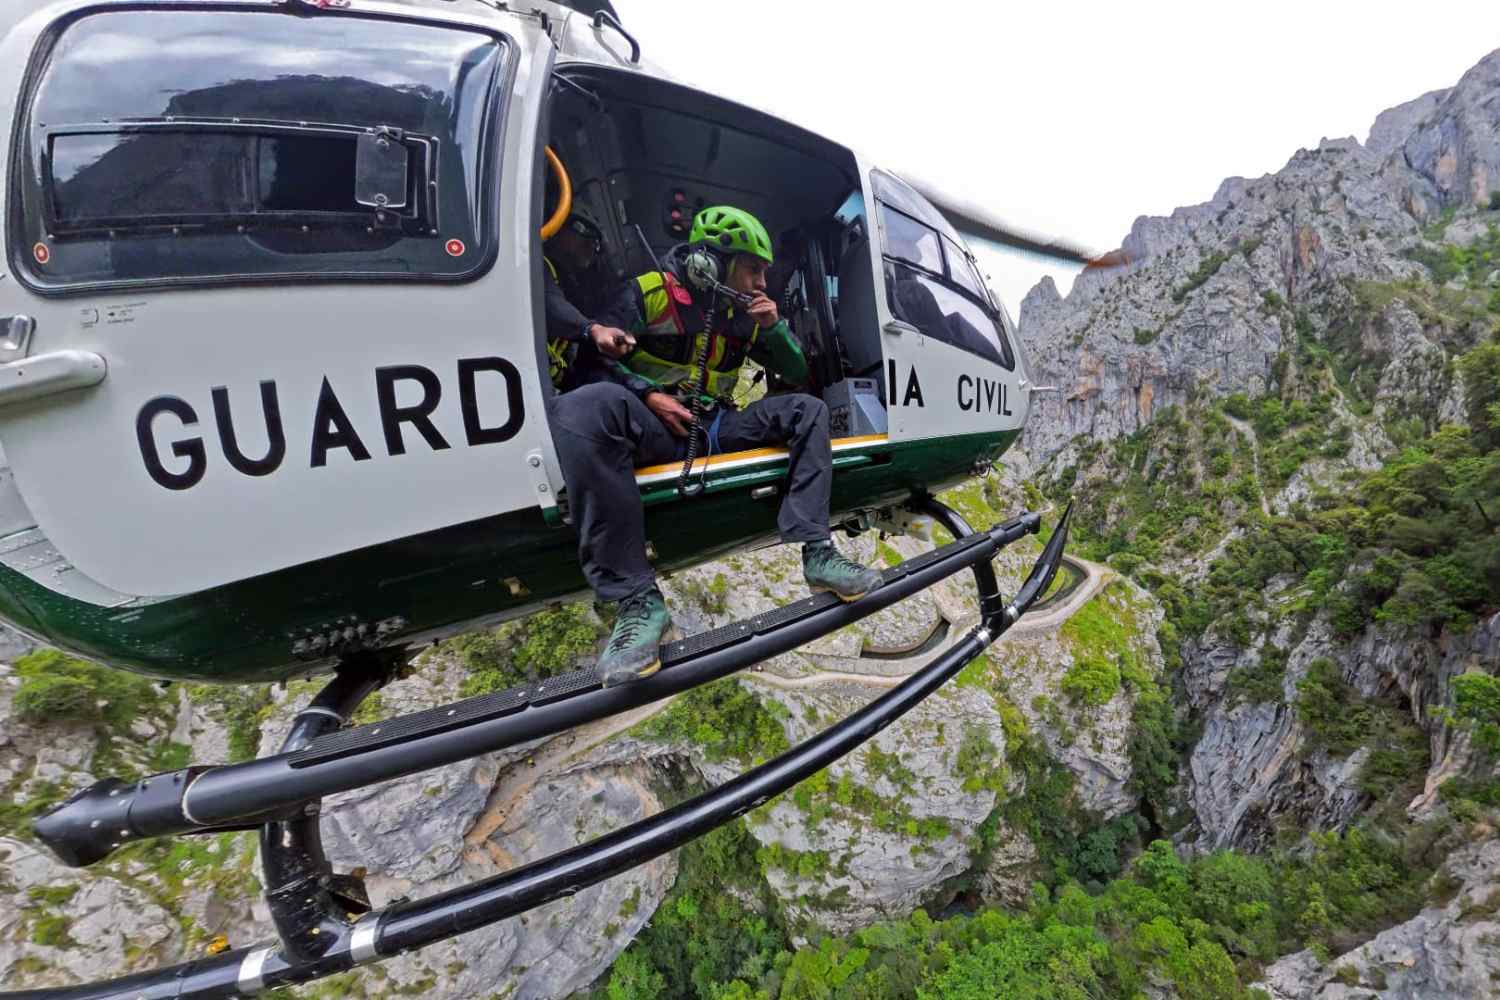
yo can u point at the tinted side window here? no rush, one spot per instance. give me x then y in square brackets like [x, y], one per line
[930, 279]
[214, 144]
[136, 179]
[944, 313]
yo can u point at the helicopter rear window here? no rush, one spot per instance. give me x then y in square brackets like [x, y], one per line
[170, 146]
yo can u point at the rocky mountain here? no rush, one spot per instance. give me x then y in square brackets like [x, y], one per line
[1262, 372]
[1255, 739]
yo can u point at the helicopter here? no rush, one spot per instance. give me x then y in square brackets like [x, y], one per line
[274, 386]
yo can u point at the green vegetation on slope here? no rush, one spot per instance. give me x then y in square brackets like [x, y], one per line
[542, 645]
[1202, 928]
[56, 687]
[725, 719]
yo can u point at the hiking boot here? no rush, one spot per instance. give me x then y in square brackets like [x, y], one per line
[826, 568]
[634, 648]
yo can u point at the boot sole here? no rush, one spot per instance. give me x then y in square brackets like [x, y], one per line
[835, 593]
[670, 635]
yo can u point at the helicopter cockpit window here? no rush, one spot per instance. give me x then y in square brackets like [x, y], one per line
[961, 270]
[931, 281]
[176, 146]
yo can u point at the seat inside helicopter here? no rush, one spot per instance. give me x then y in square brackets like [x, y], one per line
[643, 156]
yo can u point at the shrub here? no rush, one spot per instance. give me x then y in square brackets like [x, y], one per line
[1261, 682]
[54, 699]
[1234, 894]
[1270, 418]
[1476, 700]
[1330, 710]
[1349, 883]
[51, 931]
[1207, 268]
[725, 719]
[1092, 680]
[57, 686]
[542, 645]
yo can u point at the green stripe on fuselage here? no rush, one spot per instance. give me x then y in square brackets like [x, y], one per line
[448, 579]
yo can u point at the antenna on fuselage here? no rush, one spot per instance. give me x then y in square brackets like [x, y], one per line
[641, 234]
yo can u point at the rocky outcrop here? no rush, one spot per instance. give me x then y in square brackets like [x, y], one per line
[1454, 148]
[1252, 765]
[1393, 126]
[1199, 307]
[913, 815]
[55, 931]
[438, 830]
[1445, 951]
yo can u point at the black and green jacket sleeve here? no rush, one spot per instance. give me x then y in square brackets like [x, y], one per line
[775, 349]
[564, 321]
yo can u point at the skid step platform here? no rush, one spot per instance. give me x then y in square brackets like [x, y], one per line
[498, 704]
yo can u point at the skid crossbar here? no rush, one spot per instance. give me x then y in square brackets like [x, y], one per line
[406, 926]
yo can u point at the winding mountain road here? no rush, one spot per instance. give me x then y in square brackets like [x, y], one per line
[1094, 575]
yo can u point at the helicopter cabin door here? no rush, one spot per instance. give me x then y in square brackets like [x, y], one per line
[267, 300]
[949, 364]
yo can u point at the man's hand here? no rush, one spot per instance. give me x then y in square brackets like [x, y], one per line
[677, 417]
[763, 310]
[611, 340]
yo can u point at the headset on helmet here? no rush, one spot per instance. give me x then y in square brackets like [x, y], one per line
[719, 232]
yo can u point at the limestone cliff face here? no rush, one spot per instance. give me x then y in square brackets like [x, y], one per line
[1251, 768]
[1215, 297]
[1190, 312]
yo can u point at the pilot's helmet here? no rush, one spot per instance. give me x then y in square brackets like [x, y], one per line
[731, 230]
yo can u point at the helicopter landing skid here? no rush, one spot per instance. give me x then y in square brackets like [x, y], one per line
[321, 917]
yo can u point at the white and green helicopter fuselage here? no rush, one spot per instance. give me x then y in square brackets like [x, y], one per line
[273, 384]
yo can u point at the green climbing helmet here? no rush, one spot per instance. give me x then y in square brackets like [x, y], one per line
[732, 230]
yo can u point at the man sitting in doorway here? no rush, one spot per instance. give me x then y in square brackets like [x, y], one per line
[682, 317]
[574, 295]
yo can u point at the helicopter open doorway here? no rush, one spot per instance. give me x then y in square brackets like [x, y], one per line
[647, 159]
[904, 340]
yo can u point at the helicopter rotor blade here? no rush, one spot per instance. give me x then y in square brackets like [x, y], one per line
[972, 219]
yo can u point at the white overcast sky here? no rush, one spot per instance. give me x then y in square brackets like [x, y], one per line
[1070, 119]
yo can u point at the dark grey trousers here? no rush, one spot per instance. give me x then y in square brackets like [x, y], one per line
[603, 433]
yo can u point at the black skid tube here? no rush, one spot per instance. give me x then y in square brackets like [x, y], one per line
[408, 926]
[90, 825]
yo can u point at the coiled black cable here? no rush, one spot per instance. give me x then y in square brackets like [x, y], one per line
[685, 486]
